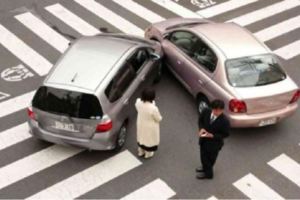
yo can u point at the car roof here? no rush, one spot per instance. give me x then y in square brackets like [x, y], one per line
[233, 40]
[88, 61]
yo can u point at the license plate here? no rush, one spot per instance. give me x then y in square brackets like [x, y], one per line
[267, 122]
[65, 126]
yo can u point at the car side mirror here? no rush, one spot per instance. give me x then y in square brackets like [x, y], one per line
[154, 56]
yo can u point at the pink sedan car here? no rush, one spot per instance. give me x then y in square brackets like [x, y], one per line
[225, 61]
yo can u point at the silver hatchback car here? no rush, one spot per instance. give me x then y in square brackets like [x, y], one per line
[87, 97]
[225, 61]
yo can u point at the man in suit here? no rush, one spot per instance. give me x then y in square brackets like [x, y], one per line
[213, 128]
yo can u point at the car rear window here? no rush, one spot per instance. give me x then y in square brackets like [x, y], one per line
[70, 103]
[254, 71]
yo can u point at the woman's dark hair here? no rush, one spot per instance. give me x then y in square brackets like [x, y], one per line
[217, 104]
[148, 94]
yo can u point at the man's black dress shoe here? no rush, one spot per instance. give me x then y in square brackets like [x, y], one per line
[199, 169]
[203, 176]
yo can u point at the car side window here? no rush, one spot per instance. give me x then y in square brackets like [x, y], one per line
[204, 56]
[139, 59]
[119, 84]
[184, 41]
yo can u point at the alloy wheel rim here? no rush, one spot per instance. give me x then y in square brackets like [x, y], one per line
[122, 136]
[202, 106]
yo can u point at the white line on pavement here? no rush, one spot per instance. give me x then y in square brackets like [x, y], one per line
[157, 189]
[265, 12]
[43, 31]
[72, 20]
[111, 17]
[254, 188]
[34, 163]
[278, 29]
[91, 178]
[287, 167]
[15, 104]
[177, 9]
[25, 53]
[224, 7]
[212, 198]
[289, 51]
[140, 10]
[14, 135]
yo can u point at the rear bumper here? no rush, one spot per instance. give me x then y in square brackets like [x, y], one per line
[101, 141]
[254, 120]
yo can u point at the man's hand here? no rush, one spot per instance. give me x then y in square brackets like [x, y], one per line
[204, 134]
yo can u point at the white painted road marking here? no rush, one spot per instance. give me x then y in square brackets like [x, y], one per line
[14, 135]
[265, 12]
[15, 104]
[287, 167]
[34, 163]
[72, 20]
[3, 96]
[16, 73]
[43, 31]
[177, 9]
[212, 198]
[111, 17]
[254, 188]
[140, 10]
[91, 178]
[289, 51]
[278, 29]
[157, 189]
[224, 7]
[25, 53]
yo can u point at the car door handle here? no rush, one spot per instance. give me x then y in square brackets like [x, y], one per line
[143, 77]
[179, 62]
[125, 102]
[200, 82]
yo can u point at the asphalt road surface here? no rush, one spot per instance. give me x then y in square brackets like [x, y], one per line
[254, 163]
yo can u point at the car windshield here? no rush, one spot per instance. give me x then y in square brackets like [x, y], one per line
[254, 71]
[69, 103]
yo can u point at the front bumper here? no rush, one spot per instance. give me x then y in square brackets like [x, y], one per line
[100, 141]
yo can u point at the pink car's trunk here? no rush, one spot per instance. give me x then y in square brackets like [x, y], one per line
[267, 98]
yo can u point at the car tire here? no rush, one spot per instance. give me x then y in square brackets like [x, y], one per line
[202, 104]
[159, 73]
[121, 138]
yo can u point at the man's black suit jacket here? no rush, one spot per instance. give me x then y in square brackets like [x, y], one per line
[219, 128]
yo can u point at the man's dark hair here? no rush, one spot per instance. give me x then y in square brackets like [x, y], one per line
[217, 104]
[148, 94]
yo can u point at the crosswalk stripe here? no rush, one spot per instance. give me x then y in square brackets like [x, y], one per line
[72, 20]
[15, 104]
[91, 178]
[287, 167]
[278, 29]
[14, 135]
[289, 51]
[265, 12]
[224, 7]
[212, 198]
[140, 10]
[34, 163]
[111, 17]
[16, 46]
[43, 31]
[177, 9]
[157, 189]
[254, 188]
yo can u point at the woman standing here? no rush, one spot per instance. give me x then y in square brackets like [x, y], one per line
[148, 119]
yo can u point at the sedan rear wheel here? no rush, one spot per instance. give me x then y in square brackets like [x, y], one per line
[202, 104]
[121, 137]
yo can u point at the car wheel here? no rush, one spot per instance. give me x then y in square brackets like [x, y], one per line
[122, 134]
[202, 104]
[159, 73]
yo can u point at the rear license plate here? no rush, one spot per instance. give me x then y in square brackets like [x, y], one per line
[65, 126]
[268, 121]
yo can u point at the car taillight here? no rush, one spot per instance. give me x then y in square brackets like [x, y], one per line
[295, 97]
[104, 125]
[30, 113]
[237, 106]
